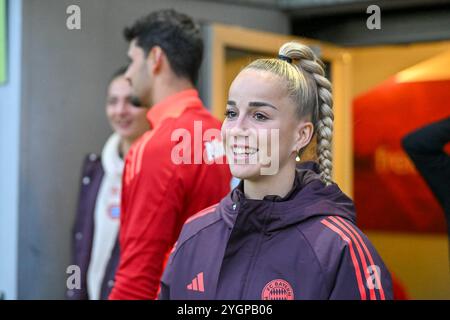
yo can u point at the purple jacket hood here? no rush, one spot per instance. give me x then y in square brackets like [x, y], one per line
[309, 197]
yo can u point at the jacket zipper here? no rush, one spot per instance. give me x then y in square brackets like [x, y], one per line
[254, 257]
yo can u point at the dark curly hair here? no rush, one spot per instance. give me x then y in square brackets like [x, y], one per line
[177, 35]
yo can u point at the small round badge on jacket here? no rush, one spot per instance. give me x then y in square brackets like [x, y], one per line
[277, 290]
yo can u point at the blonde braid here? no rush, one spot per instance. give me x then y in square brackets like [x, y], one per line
[322, 114]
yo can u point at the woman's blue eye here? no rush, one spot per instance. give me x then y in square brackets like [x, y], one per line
[230, 114]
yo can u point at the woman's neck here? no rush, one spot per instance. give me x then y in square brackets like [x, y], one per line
[124, 146]
[279, 184]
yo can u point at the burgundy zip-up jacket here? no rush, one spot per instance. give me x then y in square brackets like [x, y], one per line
[303, 246]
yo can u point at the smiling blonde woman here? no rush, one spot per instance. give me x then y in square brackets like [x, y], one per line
[290, 234]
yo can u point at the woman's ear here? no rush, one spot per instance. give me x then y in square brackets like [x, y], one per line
[304, 134]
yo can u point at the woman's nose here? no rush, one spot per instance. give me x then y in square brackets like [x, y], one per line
[240, 126]
[122, 108]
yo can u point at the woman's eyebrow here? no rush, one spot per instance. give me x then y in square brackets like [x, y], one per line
[261, 104]
[254, 104]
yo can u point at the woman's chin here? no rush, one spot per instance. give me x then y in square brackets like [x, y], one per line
[245, 171]
[128, 133]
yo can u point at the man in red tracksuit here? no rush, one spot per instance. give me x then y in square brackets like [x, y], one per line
[175, 169]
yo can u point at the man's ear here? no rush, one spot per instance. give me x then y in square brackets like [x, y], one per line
[304, 134]
[155, 59]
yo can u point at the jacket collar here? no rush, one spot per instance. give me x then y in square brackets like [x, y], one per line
[308, 197]
[172, 106]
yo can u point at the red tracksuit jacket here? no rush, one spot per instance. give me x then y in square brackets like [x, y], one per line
[159, 193]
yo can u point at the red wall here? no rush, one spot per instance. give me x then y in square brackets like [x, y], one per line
[389, 193]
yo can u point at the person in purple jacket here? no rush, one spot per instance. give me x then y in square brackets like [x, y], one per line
[95, 248]
[286, 231]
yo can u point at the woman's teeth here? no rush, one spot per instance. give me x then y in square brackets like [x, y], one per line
[244, 151]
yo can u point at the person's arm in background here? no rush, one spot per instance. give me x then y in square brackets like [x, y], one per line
[425, 147]
[149, 228]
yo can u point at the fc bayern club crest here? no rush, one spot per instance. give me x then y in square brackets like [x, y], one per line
[277, 290]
